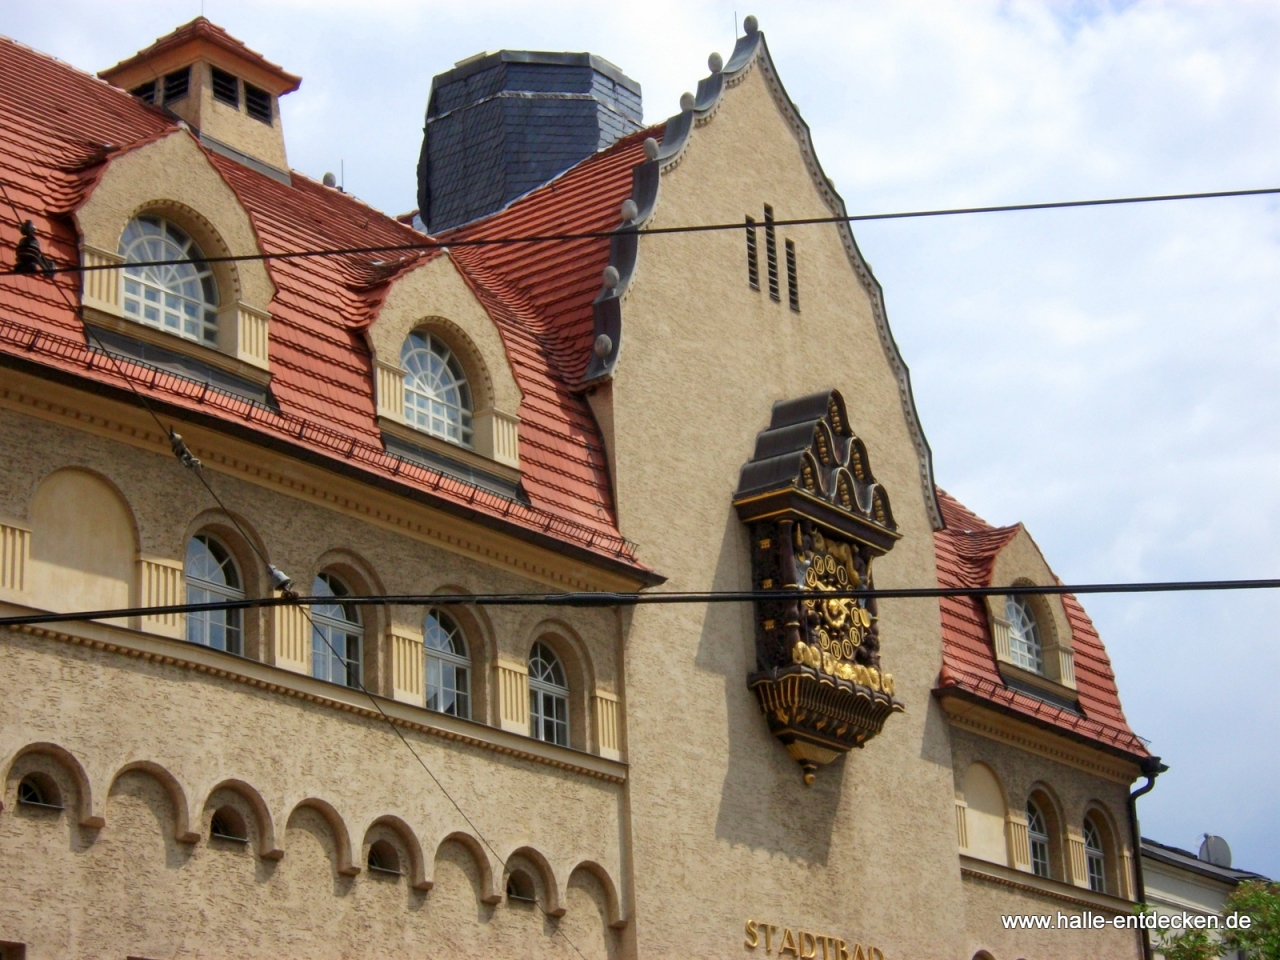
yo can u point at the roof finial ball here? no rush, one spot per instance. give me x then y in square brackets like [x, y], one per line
[330, 180]
[629, 210]
[686, 102]
[750, 25]
[715, 63]
[603, 346]
[650, 148]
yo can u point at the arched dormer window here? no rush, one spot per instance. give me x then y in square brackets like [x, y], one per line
[1038, 840]
[1095, 857]
[180, 298]
[548, 696]
[448, 666]
[1025, 647]
[212, 576]
[437, 397]
[336, 634]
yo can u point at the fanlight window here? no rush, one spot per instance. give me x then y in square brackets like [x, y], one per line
[212, 576]
[1038, 838]
[548, 697]
[1095, 858]
[180, 298]
[1024, 635]
[448, 667]
[437, 399]
[336, 634]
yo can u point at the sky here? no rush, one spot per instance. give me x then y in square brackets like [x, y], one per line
[1106, 376]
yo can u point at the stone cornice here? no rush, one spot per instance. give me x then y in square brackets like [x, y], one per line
[70, 407]
[1001, 728]
[980, 870]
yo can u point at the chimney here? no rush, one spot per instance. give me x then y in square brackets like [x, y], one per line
[501, 124]
[226, 92]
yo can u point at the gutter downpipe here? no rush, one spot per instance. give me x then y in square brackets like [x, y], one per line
[1151, 768]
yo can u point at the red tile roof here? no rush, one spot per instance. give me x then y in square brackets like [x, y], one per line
[966, 552]
[58, 129]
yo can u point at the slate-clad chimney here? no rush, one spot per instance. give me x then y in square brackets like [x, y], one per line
[502, 124]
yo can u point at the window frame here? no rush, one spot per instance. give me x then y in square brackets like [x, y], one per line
[169, 283]
[1026, 646]
[544, 693]
[351, 627]
[1039, 840]
[1095, 856]
[418, 402]
[216, 591]
[443, 659]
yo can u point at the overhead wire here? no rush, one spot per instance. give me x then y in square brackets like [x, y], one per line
[438, 244]
[602, 598]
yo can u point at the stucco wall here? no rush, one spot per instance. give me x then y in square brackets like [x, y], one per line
[868, 852]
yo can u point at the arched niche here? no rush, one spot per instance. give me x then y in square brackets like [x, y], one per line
[985, 814]
[435, 297]
[393, 828]
[183, 822]
[336, 827]
[256, 807]
[533, 863]
[84, 544]
[613, 908]
[74, 785]
[473, 852]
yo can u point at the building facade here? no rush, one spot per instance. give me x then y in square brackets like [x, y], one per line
[446, 416]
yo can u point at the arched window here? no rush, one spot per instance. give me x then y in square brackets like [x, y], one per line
[1095, 857]
[39, 790]
[228, 824]
[1024, 635]
[336, 634]
[437, 399]
[448, 668]
[212, 576]
[180, 298]
[384, 858]
[1038, 838]
[548, 697]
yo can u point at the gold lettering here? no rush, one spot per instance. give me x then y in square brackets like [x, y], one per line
[811, 947]
[874, 953]
[788, 943]
[841, 952]
[769, 931]
[857, 952]
[753, 938]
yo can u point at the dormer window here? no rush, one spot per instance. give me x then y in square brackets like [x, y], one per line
[437, 398]
[177, 84]
[180, 298]
[1025, 648]
[257, 103]
[226, 88]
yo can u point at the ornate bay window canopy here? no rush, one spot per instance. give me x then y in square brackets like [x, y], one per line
[817, 520]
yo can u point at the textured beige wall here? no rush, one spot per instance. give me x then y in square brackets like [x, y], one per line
[133, 887]
[868, 852]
